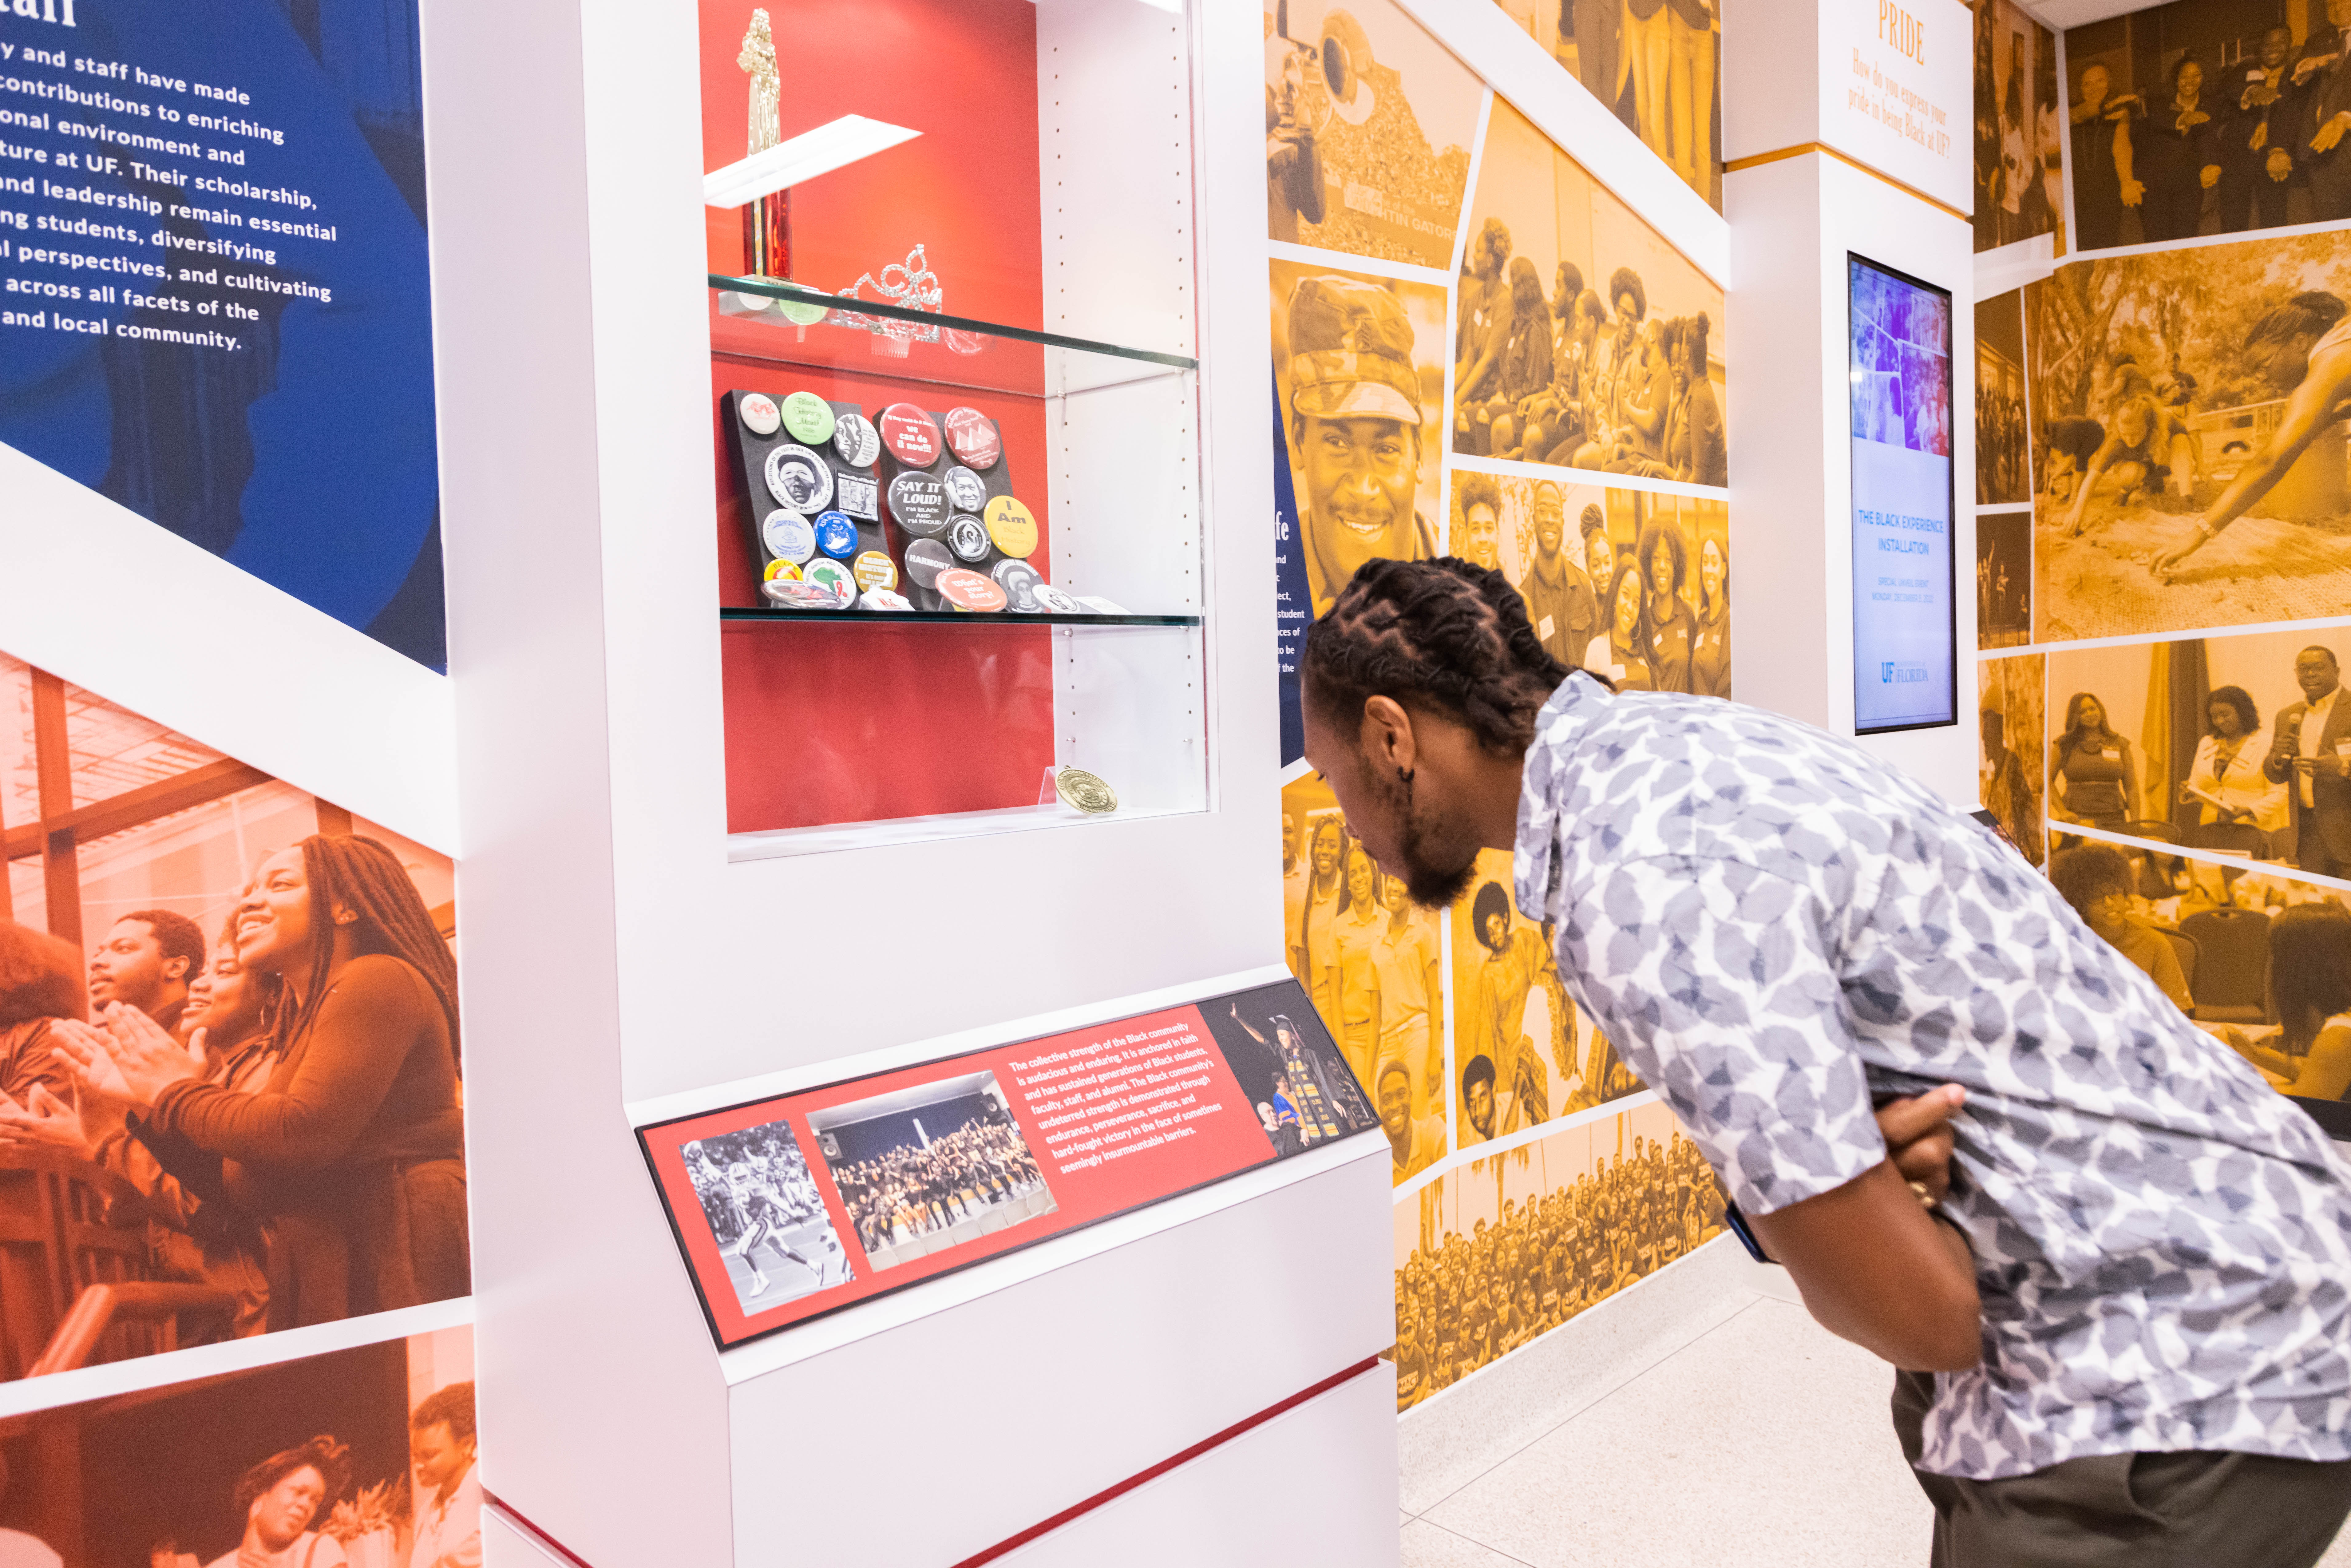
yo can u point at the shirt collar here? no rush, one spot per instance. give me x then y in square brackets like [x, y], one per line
[1580, 703]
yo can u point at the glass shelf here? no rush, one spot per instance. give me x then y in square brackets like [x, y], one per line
[768, 318]
[949, 617]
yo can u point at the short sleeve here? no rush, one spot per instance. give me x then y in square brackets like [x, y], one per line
[1715, 981]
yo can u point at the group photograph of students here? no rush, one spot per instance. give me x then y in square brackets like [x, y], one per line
[1581, 339]
[234, 1022]
[2209, 117]
[1633, 584]
[1503, 1249]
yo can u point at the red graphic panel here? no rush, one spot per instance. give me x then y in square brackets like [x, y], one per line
[792, 1207]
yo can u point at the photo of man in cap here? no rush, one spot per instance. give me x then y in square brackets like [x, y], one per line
[1353, 402]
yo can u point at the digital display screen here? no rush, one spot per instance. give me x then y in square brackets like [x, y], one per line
[1905, 642]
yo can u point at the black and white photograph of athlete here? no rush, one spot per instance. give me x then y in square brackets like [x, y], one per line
[933, 1166]
[762, 1204]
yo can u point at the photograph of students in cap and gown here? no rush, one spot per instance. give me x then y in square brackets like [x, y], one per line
[1368, 124]
[2019, 136]
[2209, 117]
[1359, 371]
[363, 1458]
[1371, 961]
[231, 1013]
[1498, 1251]
[2191, 437]
[1522, 1053]
[1637, 586]
[1656, 65]
[1581, 339]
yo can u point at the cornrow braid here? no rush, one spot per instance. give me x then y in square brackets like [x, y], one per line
[1441, 634]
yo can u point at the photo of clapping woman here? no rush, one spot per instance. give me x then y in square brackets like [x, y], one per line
[350, 1155]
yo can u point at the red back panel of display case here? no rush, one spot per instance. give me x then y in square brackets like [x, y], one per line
[961, 72]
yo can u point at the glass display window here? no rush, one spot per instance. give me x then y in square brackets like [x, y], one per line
[955, 413]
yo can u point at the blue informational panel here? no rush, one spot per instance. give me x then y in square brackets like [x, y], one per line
[215, 304]
[1905, 642]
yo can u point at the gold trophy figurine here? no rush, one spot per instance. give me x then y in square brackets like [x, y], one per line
[766, 221]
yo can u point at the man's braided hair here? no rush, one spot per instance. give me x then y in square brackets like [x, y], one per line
[1441, 634]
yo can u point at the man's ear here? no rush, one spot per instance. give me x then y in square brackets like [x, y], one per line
[1386, 738]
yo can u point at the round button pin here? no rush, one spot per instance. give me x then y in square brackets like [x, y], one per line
[836, 535]
[926, 559]
[855, 437]
[836, 578]
[1053, 601]
[883, 599]
[799, 478]
[1018, 580]
[872, 568]
[1010, 525]
[970, 590]
[968, 536]
[809, 417]
[758, 413]
[788, 536]
[966, 491]
[972, 435]
[919, 502]
[910, 435]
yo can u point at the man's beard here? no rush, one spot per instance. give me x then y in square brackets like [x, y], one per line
[1439, 849]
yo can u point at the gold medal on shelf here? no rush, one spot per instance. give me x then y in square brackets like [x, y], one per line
[1084, 792]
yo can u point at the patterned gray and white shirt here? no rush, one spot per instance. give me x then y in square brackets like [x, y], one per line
[1774, 928]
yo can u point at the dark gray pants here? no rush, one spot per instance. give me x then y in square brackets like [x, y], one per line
[2191, 1509]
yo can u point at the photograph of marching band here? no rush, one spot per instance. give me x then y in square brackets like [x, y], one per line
[228, 1024]
[2209, 117]
[356, 1459]
[2190, 443]
[927, 1168]
[1500, 1251]
[1359, 374]
[2019, 151]
[1659, 72]
[1581, 339]
[1368, 122]
[760, 1200]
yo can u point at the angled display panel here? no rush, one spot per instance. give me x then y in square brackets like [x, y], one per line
[790, 1207]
